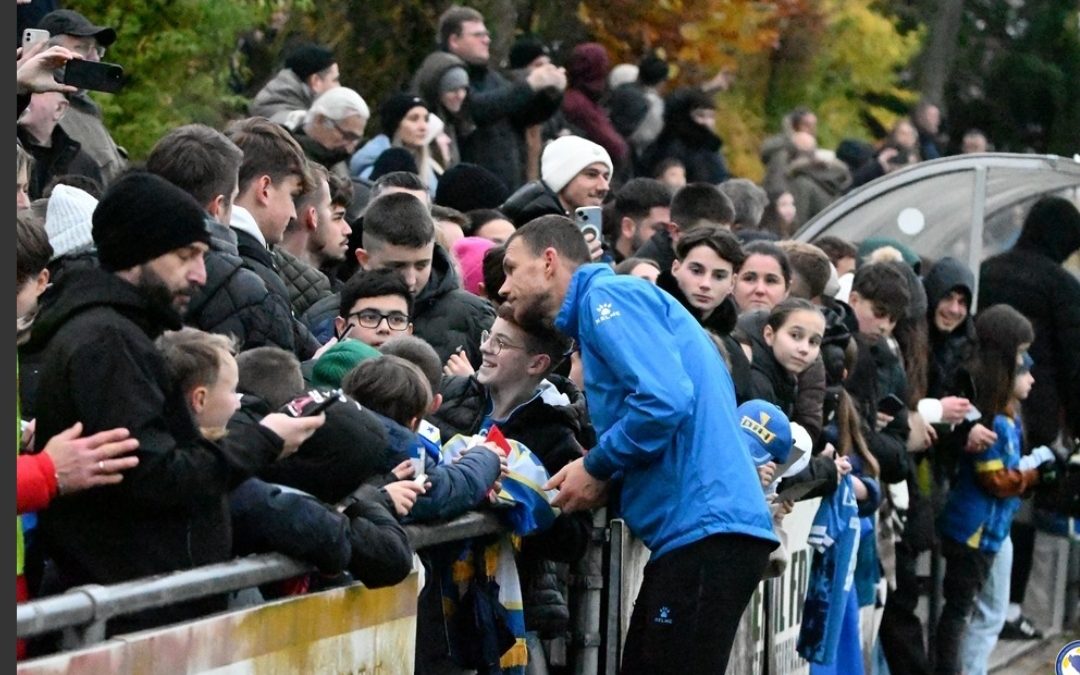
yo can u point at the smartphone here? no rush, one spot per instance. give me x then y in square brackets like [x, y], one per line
[588, 219]
[891, 405]
[313, 402]
[94, 75]
[32, 36]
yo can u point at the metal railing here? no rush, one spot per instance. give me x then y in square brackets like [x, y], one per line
[86, 609]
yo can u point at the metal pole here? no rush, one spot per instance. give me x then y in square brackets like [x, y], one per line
[589, 583]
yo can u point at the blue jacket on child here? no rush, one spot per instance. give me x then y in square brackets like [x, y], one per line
[663, 405]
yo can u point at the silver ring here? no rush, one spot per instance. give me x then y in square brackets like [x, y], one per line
[101, 465]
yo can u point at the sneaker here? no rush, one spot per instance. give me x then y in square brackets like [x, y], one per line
[1021, 629]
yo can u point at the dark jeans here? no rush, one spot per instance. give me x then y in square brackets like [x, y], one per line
[966, 570]
[690, 603]
[1023, 538]
[901, 631]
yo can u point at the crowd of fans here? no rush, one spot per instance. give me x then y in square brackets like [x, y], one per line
[178, 320]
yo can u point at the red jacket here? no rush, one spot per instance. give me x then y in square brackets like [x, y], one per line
[35, 482]
[586, 115]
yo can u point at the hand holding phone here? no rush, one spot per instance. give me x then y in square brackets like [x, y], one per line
[589, 220]
[312, 403]
[891, 405]
[32, 36]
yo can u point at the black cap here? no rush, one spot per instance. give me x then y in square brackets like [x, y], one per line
[70, 22]
[307, 59]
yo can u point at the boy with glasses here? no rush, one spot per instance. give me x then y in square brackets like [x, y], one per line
[375, 306]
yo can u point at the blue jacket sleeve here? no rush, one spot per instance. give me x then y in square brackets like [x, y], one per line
[641, 348]
[457, 488]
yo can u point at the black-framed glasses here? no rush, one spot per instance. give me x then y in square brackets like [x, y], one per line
[370, 318]
[497, 344]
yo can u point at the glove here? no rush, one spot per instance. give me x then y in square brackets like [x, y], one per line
[1038, 457]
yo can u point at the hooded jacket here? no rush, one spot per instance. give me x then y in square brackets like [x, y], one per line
[282, 95]
[664, 409]
[586, 72]
[693, 144]
[426, 83]
[447, 317]
[948, 351]
[170, 513]
[1030, 278]
[235, 301]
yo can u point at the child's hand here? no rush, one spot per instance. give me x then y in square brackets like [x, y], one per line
[292, 430]
[843, 467]
[954, 408]
[404, 470]
[765, 473]
[882, 421]
[979, 439]
[403, 494]
[458, 364]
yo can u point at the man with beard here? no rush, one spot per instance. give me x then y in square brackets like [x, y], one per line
[101, 368]
[664, 409]
[641, 208]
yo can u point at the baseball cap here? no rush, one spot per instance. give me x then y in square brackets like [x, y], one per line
[70, 22]
[767, 431]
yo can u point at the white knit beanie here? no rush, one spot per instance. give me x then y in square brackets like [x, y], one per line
[67, 220]
[566, 156]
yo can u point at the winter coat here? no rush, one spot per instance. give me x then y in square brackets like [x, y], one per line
[365, 540]
[948, 350]
[425, 83]
[447, 317]
[693, 144]
[319, 318]
[501, 110]
[662, 401]
[363, 161]
[532, 200]
[306, 284]
[586, 72]
[878, 373]
[1030, 278]
[235, 300]
[258, 259]
[659, 248]
[281, 98]
[554, 425]
[170, 512]
[720, 323]
[335, 161]
[83, 124]
[815, 182]
[63, 156]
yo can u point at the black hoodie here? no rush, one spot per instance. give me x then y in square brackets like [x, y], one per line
[170, 513]
[947, 350]
[447, 317]
[1030, 278]
[693, 144]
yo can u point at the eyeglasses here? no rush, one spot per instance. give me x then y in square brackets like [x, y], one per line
[497, 343]
[370, 318]
[345, 133]
[88, 48]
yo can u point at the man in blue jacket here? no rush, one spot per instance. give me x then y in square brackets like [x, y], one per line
[664, 409]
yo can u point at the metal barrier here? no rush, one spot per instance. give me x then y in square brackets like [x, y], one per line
[86, 609]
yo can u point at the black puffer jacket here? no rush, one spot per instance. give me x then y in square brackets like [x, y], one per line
[555, 426]
[235, 301]
[1030, 278]
[258, 259]
[659, 248]
[446, 316]
[306, 284]
[530, 201]
[170, 512]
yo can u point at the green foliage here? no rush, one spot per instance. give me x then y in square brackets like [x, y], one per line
[175, 56]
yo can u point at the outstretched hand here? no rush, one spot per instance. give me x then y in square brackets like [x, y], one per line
[578, 490]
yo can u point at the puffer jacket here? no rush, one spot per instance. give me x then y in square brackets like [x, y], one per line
[257, 258]
[235, 301]
[532, 200]
[446, 316]
[281, 97]
[306, 284]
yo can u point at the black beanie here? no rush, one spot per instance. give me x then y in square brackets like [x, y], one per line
[466, 187]
[308, 59]
[525, 50]
[391, 160]
[395, 108]
[142, 216]
[652, 70]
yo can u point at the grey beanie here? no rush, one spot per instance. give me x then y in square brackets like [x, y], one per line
[453, 78]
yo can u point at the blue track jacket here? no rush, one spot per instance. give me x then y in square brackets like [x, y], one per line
[663, 405]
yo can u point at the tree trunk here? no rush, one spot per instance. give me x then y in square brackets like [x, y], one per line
[936, 62]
